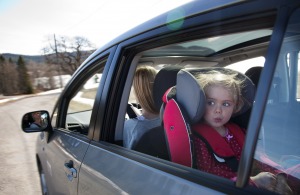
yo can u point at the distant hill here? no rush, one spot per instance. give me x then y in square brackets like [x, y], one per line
[27, 58]
[38, 58]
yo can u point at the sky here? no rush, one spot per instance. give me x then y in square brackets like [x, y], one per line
[27, 25]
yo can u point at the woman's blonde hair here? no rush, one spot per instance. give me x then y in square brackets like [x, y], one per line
[143, 87]
[229, 81]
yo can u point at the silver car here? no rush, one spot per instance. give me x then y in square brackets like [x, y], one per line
[80, 147]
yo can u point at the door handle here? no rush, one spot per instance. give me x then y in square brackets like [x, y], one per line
[70, 171]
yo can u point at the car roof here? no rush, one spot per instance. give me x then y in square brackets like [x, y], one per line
[187, 10]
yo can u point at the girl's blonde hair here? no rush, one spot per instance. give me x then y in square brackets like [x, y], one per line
[143, 87]
[229, 81]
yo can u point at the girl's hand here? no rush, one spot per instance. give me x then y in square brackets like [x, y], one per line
[273, 183]
[265, 180]
[282, 186]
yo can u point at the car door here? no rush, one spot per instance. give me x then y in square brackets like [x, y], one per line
[65, 146]
[108, 167]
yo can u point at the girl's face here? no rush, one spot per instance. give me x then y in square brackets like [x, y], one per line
[219, 106]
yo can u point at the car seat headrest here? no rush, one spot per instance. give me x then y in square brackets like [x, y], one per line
[254, 73]
[164, 79]
[191, 97]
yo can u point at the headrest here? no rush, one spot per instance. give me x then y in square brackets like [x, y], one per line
[164, 79]
[254, 73]
[191, 97]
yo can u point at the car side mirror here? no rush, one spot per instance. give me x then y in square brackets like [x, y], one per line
[36, 121]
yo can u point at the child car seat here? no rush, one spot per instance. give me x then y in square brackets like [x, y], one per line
[184, 106]
[179, 114]
[254, 74]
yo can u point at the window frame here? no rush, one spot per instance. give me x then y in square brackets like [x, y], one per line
[89, 67]
[139, 44]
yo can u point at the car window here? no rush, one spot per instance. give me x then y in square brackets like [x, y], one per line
[80, 100]
[194, 54]
[278, 146]
[81, 105]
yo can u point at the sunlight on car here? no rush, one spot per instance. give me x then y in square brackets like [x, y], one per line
[243, 66]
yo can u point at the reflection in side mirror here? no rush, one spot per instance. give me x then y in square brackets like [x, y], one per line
[36, 121]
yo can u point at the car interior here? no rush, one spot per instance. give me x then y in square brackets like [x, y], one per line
[243, 52]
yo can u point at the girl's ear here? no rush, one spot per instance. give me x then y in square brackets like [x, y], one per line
[235, 110]
[238, 106]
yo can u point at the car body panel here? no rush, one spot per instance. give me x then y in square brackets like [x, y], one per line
[120, 175]
[61, 149]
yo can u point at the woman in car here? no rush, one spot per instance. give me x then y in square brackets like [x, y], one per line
[37, 121]
[149, 118]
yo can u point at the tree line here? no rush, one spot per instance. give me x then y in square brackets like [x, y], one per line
[62, 57]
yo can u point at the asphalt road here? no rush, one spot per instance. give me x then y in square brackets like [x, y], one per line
[18, 171]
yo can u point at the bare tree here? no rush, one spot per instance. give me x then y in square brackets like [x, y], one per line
[68, 53]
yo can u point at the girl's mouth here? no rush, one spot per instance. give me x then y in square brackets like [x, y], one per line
[217, 120]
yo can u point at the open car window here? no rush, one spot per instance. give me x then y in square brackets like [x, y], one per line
[238, 51]
[82, 98]
[278, 149]
[81, 105]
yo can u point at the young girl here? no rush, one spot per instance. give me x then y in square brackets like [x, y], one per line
[223, 98]
[218, 143]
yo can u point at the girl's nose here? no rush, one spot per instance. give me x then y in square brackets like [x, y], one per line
[218, 109]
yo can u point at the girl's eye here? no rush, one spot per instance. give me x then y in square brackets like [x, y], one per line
[210, 103]
[226, 104]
